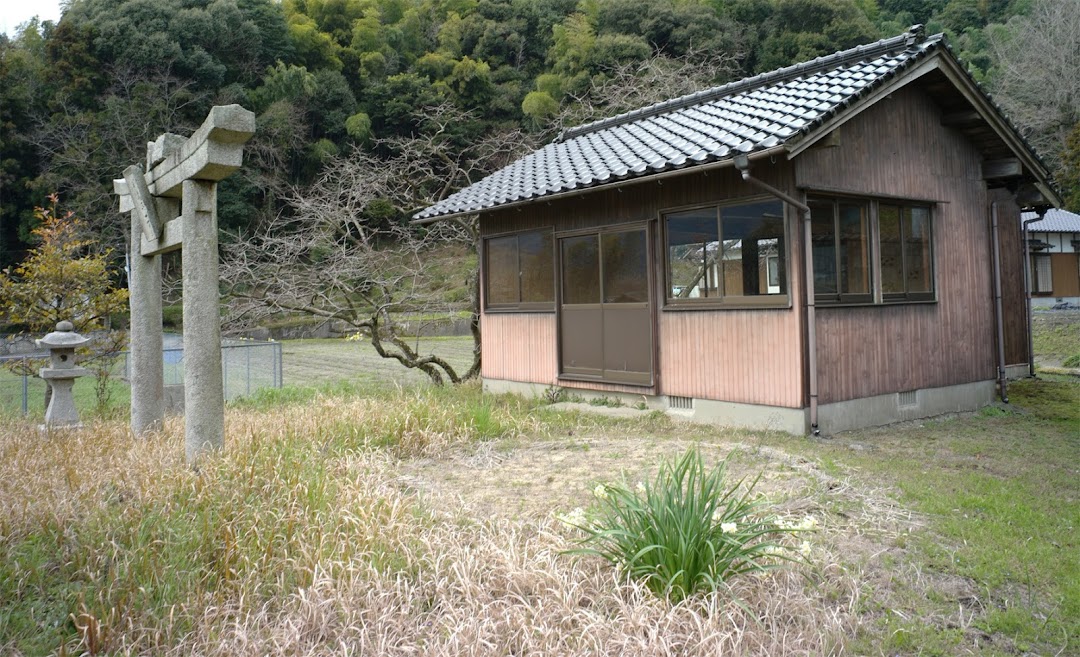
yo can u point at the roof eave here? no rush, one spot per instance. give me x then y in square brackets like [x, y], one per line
[943, 60]
[615, 184]
[1001, 126]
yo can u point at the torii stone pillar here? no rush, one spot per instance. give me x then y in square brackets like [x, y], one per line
[174, 206]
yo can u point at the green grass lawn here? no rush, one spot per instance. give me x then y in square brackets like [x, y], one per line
[1000, 493]
[316, 362]
[122, 545]
[1056, 336]
[102, 541]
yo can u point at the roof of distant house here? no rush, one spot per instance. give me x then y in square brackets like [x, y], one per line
[1055, 221]
[755, 114]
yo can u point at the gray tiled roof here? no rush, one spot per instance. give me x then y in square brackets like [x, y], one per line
[750, 115]
[1055, 221]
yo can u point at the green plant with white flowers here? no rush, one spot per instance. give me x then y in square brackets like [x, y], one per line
[686, 532]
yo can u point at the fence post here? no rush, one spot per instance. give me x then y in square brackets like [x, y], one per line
[225, 372]
[25, 391]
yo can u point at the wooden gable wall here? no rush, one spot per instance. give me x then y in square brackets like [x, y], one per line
[899, 147]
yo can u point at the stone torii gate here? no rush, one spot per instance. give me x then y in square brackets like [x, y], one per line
[173, 205]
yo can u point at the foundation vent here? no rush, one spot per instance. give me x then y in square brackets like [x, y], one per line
[680, 403]
[908, 398]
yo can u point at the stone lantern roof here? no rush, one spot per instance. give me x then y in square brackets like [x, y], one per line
[64, 337]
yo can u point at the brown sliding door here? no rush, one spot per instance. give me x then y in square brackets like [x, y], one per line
[606, 325]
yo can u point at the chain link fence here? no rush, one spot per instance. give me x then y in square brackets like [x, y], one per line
[247, 366]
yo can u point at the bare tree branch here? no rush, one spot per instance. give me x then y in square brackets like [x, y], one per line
[337, 255]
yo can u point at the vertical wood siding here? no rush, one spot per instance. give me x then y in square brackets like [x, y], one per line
[1065, 274]
[1013, 296]
[899, 147]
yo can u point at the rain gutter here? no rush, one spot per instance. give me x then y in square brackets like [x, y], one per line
[1002, 379]
[1027, 287]
[743, 164]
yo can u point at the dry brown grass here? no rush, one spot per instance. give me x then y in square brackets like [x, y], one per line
[308, 536]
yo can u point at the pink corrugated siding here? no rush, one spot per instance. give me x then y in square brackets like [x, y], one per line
[743, 356]
[519, 347]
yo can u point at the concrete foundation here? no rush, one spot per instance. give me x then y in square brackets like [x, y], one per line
[1017, 371]
[899, 407]
[750, 416]
[832, 418]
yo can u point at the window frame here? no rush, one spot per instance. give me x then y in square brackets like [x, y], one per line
[725, 302]
[519, 306]
[907, 296]
[1036, 279]
[876, 296]
[873, 266]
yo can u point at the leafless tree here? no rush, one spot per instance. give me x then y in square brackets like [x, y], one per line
[1037, 73]
[334, 255]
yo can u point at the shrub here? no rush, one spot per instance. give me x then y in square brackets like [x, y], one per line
[685, 533]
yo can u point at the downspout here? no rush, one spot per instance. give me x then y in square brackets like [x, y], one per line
[1027, 289]
[742, 163]
[1002, 380]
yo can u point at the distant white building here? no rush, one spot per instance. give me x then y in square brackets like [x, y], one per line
[1054, 243]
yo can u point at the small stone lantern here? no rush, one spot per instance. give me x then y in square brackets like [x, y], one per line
[61, 375]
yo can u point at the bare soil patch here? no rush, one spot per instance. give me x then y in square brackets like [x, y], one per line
[534, 480]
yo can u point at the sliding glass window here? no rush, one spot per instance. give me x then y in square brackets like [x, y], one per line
[727, 255]
[519, 271]
[843, 236]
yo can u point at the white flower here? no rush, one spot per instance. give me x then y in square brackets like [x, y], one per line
[727, 527]
[809, 522]
[640, 487]
[804, 548]
[575, 518]
[772, 550]
[600, 491]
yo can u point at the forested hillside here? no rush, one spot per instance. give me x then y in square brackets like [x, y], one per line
[336, 80]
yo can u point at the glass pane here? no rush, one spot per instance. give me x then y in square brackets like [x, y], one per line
[854, 239]
[581, 269]
[693, 244]
[1041, 274]
[892, 249]
[537, 269]
[502, 270]
[626, 273]
[917, 249]
[752, 234]
[823, 238]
